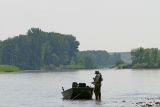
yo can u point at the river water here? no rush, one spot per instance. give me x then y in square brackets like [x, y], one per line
[120, 88]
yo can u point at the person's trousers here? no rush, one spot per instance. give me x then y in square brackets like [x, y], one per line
[97, 91]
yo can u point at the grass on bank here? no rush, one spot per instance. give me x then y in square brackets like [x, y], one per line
[71, 66]
[74, 66]
[9, 68]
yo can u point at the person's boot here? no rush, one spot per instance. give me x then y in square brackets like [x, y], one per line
[99, 98]
[96, 97]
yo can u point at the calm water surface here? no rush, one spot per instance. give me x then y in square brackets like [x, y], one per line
[43, 89]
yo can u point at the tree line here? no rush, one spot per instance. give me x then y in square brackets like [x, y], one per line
[145, 58]
[38, 49]
[96, 59]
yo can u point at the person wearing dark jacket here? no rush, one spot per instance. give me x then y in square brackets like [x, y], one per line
[97, 85]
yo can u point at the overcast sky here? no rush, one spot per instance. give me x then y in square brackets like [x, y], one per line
[112, 25]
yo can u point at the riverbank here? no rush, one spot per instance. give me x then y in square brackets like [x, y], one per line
[9, 68]
[136, 66]
[148, 103]
[63, 67]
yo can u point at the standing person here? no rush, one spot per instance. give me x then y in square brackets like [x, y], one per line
[97, 85]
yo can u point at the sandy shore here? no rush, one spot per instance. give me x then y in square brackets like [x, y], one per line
[148, 104]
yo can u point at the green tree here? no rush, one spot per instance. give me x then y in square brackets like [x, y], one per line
[38, 48]
[148, 57]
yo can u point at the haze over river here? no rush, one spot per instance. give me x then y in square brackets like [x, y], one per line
[43, 89]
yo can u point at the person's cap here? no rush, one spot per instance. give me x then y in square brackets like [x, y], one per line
[96, 72]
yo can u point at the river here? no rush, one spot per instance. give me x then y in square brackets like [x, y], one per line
[121, 88]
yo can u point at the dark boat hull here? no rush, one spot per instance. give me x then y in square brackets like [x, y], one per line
[78, 93]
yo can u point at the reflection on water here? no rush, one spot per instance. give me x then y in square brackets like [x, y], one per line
[43, 89]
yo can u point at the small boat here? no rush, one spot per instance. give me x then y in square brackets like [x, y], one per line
[78, 91]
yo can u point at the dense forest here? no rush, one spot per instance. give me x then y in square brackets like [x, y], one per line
[38, 48]
[145, 58]
[96, 59]
[42, 50]
[126, 56]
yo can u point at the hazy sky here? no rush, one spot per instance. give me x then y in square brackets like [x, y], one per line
[112, 25]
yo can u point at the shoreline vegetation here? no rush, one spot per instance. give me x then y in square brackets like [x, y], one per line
[9, 68]
[136, 66]
[142, 58]
[38, 50]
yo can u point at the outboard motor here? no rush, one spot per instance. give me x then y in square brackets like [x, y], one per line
[82, 84]
[74, 85]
